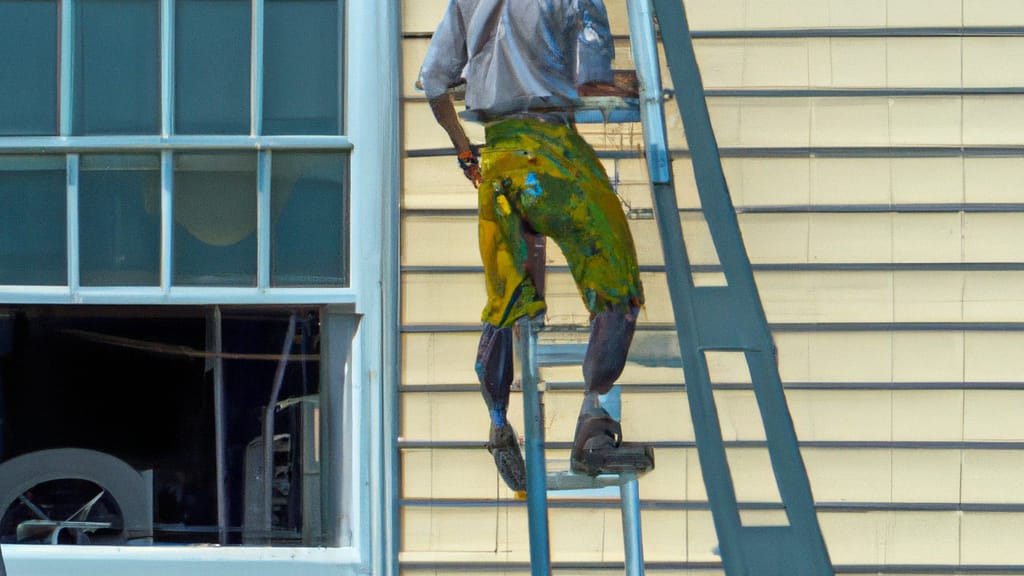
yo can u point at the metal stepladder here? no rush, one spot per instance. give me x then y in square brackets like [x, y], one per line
[727, 318]
[538, 476]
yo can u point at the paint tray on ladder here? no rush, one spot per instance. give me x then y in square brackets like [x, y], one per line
[618, 102]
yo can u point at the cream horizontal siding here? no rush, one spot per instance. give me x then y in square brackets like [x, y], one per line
[942, 356]
[757, 182]
[824, 62]
[789, 296]
[873, 538]
[759, 14]
[800, 122]
[874, 152]
[861, 418]
[422, 16]
[792, 237]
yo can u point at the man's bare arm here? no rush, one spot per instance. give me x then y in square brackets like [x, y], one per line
[443, 108]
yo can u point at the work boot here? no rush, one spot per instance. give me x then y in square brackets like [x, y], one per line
[598, 448]
[504, 446]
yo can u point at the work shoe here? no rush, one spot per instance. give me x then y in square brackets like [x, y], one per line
[598, 447]
[504, 446]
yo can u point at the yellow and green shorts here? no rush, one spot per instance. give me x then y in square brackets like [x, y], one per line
[544, 178]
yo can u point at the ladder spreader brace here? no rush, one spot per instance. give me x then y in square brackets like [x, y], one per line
[707, 318]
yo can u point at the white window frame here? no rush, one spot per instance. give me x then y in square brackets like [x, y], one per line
[369, 101]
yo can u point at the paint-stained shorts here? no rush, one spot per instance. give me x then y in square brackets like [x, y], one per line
[543, 177]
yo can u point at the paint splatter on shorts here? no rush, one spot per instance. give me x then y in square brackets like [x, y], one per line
[544, 178]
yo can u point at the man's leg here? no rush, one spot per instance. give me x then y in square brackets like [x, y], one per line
[584, 217]
[508, 253]
[494, 368]
[611, 334]
[597, 443]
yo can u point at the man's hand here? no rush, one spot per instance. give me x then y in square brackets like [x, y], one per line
[470, 164]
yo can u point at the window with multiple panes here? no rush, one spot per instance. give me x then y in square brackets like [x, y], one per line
[176, 225]
[173, 144]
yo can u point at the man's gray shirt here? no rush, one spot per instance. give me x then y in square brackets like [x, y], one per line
[518, 55]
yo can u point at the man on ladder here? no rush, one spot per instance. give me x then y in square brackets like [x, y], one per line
[525, 65]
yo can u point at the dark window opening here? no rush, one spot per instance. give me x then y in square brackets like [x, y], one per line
[137, 385]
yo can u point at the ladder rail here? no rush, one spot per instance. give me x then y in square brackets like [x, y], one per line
[536, 473]
[632, 536]
[725, 232]
[666, 209]
[719, 318]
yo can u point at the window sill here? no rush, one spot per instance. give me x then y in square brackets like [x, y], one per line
[40, 560]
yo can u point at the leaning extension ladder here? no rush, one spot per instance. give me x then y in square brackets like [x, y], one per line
[707, 318]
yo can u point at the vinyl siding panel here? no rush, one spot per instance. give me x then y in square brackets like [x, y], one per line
[873, 151]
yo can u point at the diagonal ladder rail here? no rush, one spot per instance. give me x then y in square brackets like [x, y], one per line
[726, 318]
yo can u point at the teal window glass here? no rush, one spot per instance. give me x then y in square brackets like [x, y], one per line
[215, 219]
[212, 48]
[309, 203]
[117, 67]
[119, 220]
[33, 222]
[302, 67]
[28, 67]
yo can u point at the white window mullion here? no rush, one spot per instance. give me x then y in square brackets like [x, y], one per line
[67, 64]
[263, 220]
[343, 68]
[166, 157]
[166, 67]
[166, 220]
[72, 224]
[256, 125]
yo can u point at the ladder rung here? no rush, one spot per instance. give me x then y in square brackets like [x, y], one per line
[658, 348]
[569, 480]
[560, 354]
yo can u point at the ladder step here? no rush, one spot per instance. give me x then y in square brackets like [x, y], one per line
[560, 354]
[650, 348]
[657, 348]
[569, 480]
[559, 478]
